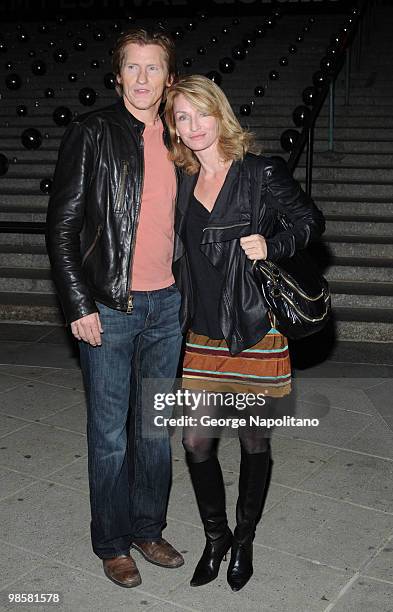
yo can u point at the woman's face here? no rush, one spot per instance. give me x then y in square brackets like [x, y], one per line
[197, 129]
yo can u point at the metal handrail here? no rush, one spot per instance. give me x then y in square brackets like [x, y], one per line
[306, 137]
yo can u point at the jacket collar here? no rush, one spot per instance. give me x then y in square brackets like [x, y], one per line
[220, 209]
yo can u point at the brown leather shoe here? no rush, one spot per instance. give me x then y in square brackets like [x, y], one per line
[160, 553]
[122, 570]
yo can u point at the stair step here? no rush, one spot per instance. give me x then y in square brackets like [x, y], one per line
[364, 273]
[361, 288]
[359, 228]
[362, 301]
[365, 331]
[359, 249]
[31, 306]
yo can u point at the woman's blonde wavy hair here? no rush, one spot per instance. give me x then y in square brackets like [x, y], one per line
[206, 96]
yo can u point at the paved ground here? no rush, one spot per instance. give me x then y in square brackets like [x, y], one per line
[325, 541]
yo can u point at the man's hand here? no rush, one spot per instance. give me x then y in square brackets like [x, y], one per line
[254, 246]
[88, 329]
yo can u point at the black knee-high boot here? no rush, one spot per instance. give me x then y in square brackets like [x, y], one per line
[208, 484]
[253, 474]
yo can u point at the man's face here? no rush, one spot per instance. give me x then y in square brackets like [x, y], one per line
[144, 77]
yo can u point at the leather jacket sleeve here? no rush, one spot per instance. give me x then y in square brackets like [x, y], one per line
[284, 193]
[65, 217]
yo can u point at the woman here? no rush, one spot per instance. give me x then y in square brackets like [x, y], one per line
[231, 346]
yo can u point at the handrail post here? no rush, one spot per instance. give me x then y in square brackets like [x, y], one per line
[331, 114]
[309, 159]
[348, 54]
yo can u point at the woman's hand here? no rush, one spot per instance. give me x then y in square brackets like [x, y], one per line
[254, 246]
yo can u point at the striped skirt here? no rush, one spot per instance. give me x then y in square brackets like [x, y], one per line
[263, 368]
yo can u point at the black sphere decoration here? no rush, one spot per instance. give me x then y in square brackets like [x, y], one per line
[292, 49]
[9, 66]
[3, 47]
[319, 79]
[214, 40]
[248, 40]
[259, 91]
[236, 21]
[274, 75]
[288, 139]
[245, 110]
[178, 34]
[46, 185]
[260, 32]
[239, 52]
[31, 138]
[13, 81]
[94, 64]
[201, 50]
[80, 44]
[283, 61]
[110, 80]
[309, 95]
[87, 96]
[72, 77]
[21, 110]
[23, 37]
[300, 115]
[49, 92]
[187, 62]
[99, 35]
[332, 51]
[60, 56]
[225, 30]
[327, 64]
[62, 115]
[214, 76]
[190, 25]
[226, 65]
[38, 67]
[4, 164]
[269, 22]
[299, 38]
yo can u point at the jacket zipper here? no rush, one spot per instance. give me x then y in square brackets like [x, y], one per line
[120, 196]
[130, 299]
[225, 226]
[93, 244]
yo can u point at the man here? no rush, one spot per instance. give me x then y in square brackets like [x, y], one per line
[110, 241]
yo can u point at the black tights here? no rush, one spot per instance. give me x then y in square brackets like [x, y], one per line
[254, 439]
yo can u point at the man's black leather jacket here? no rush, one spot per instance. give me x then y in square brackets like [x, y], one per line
[94, 210]
[242, 312]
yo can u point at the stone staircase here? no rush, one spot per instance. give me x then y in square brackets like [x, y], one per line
[352, 185]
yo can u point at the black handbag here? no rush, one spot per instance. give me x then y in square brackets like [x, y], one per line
[294, 290]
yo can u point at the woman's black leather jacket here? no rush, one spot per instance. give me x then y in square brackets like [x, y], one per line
[94, 210]
[242, 312]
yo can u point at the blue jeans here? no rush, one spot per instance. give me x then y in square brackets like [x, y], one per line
[129, 473]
